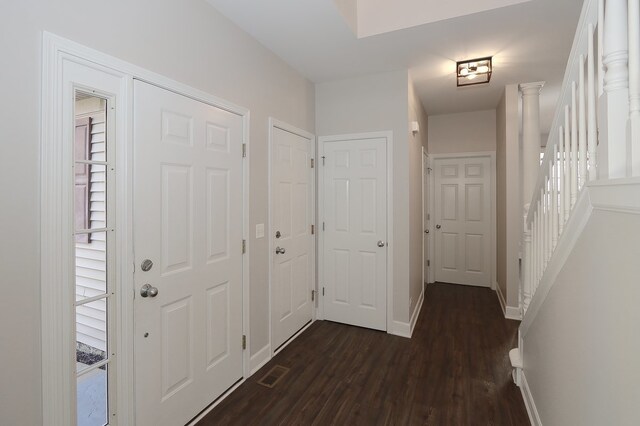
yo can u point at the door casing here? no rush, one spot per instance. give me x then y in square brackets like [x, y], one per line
[277, 124]
[492, 157]
[56, 227]
[388, 135]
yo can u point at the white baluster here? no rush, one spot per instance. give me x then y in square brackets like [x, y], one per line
[634, 84]
[600, 47]
[574, 145]
[554, 198]
[582, 126]
[615, 101]
[541, 245]
[526, 276]
[534, 252]
[567, 164]
[561, 167]
[592, 139]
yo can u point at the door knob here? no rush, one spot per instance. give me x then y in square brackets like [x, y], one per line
[426, 231]
[438, 226]
[148, 290]
[280, 250]
[380, 243]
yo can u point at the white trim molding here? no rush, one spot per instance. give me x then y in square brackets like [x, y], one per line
[259, 359]
[529, 403]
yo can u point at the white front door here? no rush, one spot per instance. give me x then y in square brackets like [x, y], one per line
[355, 232]
[292, 244]
[463, 220]
[188, 217]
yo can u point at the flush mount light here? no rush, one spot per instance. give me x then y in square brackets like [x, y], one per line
[474, 71]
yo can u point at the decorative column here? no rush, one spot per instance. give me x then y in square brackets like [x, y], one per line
[530, 170]
[614, 103]
[530, 138]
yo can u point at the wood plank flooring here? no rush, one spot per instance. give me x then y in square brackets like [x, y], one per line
[454, 371]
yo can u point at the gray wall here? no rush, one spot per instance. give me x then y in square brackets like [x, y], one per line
[462, 132]
[184, 40]
[416, 143]
[582, 349]
[372, 103]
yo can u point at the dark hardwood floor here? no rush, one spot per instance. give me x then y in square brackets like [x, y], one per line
[454, 371]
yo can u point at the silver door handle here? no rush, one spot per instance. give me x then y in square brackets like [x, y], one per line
[426, 231]
[380, 243]
[148, 290]
[280, 250]
[438, 226]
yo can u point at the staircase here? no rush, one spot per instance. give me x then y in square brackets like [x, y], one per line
[587, 185]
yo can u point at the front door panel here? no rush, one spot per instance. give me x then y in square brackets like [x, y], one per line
[188, 222]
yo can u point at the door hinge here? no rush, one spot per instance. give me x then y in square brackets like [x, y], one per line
[312, 163]
[244, 150]
[428, 216]
[313, 295]
[323, 226]
[323, 160]
[244, 342]
[244, 246]
[428, 262]
[313, 229]
[323, 291]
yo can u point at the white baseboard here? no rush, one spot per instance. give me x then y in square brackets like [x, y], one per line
[399, 328]
[529, 403]
[259, 359]
[513, 313]
[405, 329]
[416, 312]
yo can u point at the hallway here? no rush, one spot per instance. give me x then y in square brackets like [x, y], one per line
[454, 371]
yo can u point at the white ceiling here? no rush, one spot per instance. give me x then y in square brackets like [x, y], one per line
[529, 42]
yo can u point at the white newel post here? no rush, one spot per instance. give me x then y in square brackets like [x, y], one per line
[634, 84]
[614, 103]
[530, 169]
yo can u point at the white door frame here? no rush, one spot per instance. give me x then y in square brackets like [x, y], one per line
[480, 154]
[56, 227]
[277, 124]
[388, 135]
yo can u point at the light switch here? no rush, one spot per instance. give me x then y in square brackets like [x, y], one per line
[260, 230]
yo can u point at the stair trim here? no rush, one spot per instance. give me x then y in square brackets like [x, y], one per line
[616, 195]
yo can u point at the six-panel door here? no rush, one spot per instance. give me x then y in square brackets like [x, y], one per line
[355, 216]
[188, 222]
[463, 220]
[292, 204]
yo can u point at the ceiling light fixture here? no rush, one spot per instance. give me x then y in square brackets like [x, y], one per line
[474, 71]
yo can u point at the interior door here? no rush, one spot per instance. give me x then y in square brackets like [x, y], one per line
[292, 244]
[463, 220]
[355, 232]
[425, 216]
[188, 245]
